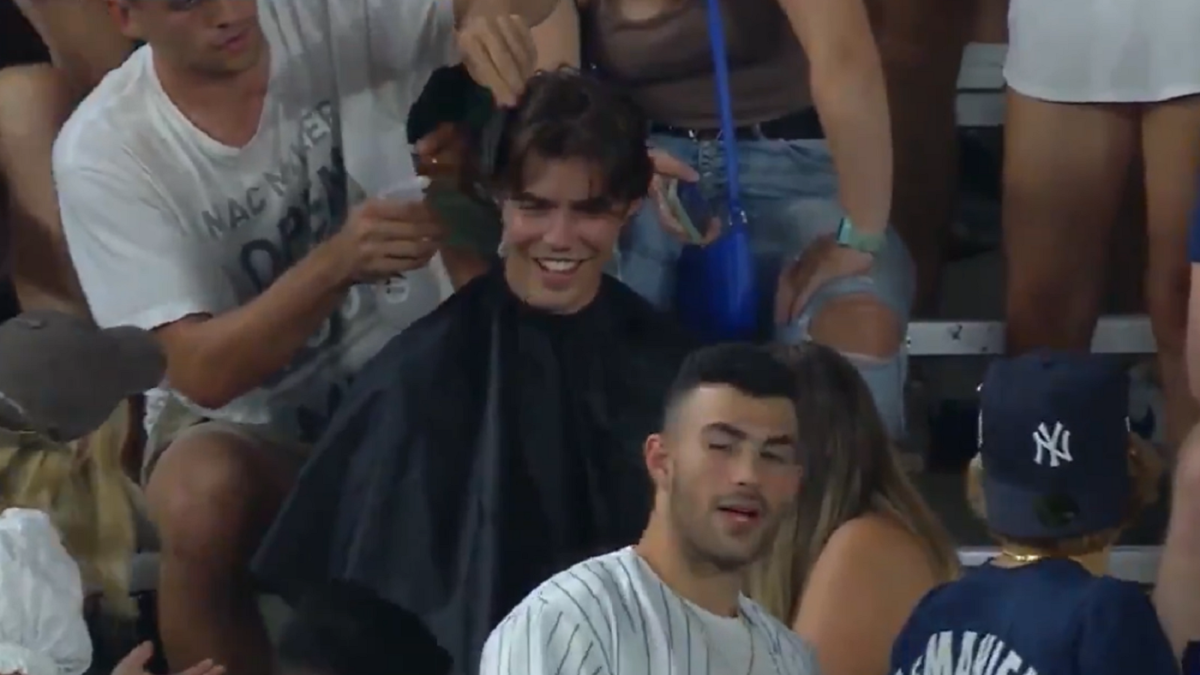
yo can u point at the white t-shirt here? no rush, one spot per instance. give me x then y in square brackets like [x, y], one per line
[42, 630]
[612, 615]
[162, 221]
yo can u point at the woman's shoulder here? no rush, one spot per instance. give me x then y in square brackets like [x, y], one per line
[875, 542]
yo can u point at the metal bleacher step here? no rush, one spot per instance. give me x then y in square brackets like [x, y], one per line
[1114, 335]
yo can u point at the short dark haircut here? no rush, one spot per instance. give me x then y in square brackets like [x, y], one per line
[753, 370]
[565, 114]
[344, 629]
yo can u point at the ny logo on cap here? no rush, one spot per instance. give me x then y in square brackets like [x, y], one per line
[1052, 445]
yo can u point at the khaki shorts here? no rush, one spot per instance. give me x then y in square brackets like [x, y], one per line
[176, 421]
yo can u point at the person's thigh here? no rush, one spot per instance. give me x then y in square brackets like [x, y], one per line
[214, 487]
[648, 255]
[792, 202]
[1065, 169]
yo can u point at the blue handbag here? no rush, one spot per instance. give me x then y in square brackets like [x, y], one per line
[716, 291]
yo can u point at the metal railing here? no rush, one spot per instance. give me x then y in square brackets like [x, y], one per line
[1114, 335]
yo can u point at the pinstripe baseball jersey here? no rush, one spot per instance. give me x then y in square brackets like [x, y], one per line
[612, 615]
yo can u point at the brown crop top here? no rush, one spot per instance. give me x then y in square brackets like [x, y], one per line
[666, 63]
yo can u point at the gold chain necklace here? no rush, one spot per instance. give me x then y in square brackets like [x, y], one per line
[1023, 558]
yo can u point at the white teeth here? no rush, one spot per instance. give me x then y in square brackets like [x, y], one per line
[558, 265]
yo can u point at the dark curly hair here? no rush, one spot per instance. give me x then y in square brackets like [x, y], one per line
[567, 114]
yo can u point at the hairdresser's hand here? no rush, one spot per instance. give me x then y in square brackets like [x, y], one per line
[441, 153]
[499, 53]
[667, 167]
[822, 262]
[383, 239]
[134, 663]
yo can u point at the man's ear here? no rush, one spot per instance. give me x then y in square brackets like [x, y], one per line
[122, 14]
[658, 460]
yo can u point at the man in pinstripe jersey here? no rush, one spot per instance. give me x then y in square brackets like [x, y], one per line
[725, 467]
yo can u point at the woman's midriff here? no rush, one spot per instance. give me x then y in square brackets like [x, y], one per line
[662, 55]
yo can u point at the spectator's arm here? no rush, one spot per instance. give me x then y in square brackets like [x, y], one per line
[557, 38]
[139, 265]
[533, 11]
[862, 589]
[34, 102]
[851, 99]
[543, 639]
[83, 38]
[426, 40]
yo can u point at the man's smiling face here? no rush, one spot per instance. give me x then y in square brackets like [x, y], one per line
[559, 234]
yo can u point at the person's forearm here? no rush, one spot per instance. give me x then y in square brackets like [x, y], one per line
[219, 359]
[83, 39]
[533, 11]
[852, 102]
[557, 38]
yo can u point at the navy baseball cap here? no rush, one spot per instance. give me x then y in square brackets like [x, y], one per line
[1054, 442]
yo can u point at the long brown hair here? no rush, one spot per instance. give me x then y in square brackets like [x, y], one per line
[83, 487]
[851, 469]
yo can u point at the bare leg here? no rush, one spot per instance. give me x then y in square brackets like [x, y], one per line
[34, 103]
[1064, 170]
[212, 496]
[1171, 147]
[921, 44]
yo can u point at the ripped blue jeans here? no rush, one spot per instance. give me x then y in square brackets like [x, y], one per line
[790, 194]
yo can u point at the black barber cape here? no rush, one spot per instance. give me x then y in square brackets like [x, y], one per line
[484, 449]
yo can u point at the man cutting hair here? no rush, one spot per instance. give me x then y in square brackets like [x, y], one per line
[242, 186]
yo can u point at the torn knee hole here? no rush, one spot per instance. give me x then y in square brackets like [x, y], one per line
[858, 325]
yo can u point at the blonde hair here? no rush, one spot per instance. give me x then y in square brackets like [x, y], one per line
[83, 487]
[851, 470]
[1145, 470]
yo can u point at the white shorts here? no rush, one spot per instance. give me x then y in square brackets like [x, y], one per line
[1104, 51]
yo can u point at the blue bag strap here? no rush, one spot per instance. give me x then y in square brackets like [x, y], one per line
[716, 37]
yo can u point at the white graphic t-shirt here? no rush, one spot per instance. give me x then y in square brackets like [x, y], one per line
[162, 221]
[612, 615]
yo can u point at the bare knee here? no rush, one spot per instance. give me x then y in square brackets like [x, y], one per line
[206, 499]
[858, 324]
